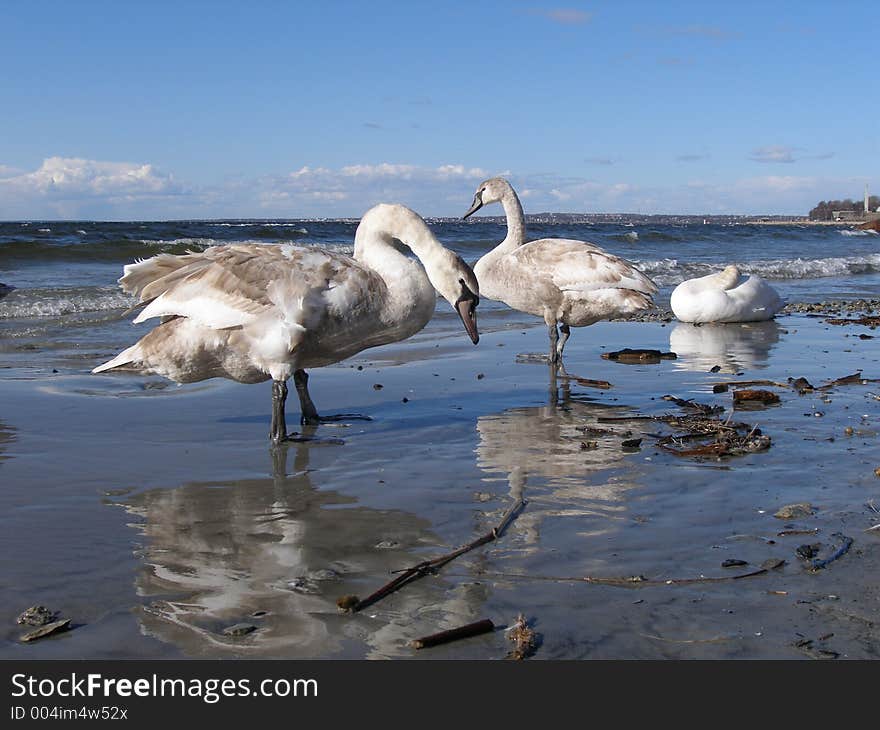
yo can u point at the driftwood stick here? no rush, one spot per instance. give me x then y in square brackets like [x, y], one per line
[751, 382]
[407, 575]
[483, 626]
[842, 549]
[603, 384]
[640, 580]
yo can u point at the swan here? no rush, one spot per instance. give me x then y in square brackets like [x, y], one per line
[567, 282]
[251, 312]
[725, 297]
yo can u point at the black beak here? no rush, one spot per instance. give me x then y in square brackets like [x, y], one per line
[477, 204]
[467, 310]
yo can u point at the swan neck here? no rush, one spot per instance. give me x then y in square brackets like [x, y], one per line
[377, 238]
[516, 223]
[378, 246]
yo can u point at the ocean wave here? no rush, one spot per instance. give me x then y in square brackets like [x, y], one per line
[672, 271]
[126, 250]
[865, 232]
[33, 303]
[193, 243]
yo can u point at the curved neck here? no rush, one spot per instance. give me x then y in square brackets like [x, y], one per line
[410, 284]
[375, 241]
[516, 223]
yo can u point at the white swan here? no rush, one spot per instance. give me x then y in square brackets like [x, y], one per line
[250, 312]
[725, 297]
[567, 282]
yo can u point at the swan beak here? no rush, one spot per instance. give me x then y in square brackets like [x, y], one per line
[477, 204]
[467, 310]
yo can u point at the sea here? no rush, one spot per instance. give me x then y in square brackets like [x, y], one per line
[61, 308]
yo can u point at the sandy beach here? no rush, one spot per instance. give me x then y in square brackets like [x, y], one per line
[154, 516]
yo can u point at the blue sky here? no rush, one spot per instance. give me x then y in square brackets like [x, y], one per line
[115, 110]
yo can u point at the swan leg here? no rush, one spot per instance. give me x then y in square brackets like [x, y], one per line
[278, 432]
[309, 414]
[566, 332]
[554, 339]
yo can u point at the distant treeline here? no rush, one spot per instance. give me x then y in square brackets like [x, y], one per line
[822, 212]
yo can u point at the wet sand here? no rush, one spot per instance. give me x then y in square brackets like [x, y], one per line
[154, 516]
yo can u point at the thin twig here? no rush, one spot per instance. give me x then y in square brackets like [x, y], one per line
[426, 567]
[842, 549]
[636, 581]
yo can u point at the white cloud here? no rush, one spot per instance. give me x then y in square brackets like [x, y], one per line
[773, 153]
[76, 176]
[79, 188]
[383, 170]
[320, 190]
[564, 16]
[776, 184]
[73, 186]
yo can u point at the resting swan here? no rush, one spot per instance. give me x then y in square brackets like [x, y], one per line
[725, 297]
[251, 312]
[566, 282]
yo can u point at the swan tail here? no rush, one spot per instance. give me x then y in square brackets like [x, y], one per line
[127, 357]
[138, 276]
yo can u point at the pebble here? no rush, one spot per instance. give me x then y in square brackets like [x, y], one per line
[303, 585]
[239, 629]
[792, 511]
[36, 616]
[733, 563]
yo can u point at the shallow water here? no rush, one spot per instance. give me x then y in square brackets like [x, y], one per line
[156, 516]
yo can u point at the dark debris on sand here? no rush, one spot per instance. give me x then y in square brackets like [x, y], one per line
[525, 640]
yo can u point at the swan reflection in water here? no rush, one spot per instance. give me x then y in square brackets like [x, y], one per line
[733, 347]
[277, 553]
[562, 460]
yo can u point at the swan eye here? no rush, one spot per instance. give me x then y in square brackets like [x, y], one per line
[468, 295]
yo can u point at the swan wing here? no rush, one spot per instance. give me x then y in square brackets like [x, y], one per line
[581, 267]
[235, 285]
[755, 299]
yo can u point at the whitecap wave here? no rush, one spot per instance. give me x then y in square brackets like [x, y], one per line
[32, 303]
[672, 271]
[865, 232]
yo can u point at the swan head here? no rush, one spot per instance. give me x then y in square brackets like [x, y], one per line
[489, 191]
[457, 284]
